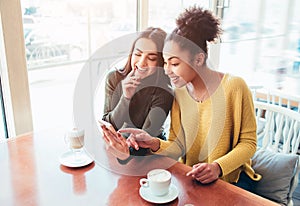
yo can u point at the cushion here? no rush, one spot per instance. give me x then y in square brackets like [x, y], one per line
[277, 170]
[261, 123]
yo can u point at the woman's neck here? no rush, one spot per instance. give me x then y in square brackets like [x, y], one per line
[204, 84]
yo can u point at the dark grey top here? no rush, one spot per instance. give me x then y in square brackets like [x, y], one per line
[146, 110]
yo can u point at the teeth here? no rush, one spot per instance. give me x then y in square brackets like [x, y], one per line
[174, 78]
[141, 69]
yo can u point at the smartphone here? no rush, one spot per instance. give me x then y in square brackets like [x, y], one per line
[108, 126]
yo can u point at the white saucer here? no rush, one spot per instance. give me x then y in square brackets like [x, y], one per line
[67, 159]
[146, 195]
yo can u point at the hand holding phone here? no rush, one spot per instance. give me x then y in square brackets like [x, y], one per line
[110, 128]
[115, 143]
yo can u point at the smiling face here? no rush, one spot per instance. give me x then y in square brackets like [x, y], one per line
[144, 58]
[177, 64]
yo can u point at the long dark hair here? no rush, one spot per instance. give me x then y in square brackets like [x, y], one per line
[157, 35]
[198, 26]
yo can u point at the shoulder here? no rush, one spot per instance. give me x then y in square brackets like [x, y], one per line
[234, 83]
[233, 80]
[236, 88]
[112, 74]
[113, 77]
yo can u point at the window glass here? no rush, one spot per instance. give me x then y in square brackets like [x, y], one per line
[60, 35]
[294, 38]
[240, 20]
[260, 36]
[162, 13]
[59, 31]
[275, 14]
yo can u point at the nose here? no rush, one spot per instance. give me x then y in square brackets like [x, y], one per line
[167, 69]
[143, 61]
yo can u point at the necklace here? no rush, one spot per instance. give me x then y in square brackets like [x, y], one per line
[200, 98]
[197, 98]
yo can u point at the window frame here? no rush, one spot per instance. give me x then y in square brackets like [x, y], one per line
[14, 78]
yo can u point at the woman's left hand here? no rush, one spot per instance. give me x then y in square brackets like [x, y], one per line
[115, 144]
[205, 172]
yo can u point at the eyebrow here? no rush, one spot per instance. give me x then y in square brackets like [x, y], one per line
[174, 57]
[143, 52]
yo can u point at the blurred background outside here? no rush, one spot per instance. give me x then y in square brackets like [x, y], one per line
[60, 35]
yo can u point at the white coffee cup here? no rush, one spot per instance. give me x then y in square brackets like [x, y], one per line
[158, 181]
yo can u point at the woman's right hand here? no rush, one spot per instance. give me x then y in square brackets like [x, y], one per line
[129, 84]
[139, 138]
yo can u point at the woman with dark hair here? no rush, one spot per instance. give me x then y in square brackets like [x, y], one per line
[140, 95]
[213, 127]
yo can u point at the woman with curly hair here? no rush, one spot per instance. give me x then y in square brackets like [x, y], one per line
[213, 127]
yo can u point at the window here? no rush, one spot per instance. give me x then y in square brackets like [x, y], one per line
[60, 35]
[162, 13]
[267, 33]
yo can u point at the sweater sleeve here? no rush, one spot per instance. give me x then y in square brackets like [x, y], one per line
[116, 105]
[174, 147]
[244, 132]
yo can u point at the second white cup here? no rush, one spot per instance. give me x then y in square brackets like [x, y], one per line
[158, 181]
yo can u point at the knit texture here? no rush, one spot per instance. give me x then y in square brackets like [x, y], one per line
[221, 129]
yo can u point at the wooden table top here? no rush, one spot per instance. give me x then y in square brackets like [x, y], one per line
[31, 174]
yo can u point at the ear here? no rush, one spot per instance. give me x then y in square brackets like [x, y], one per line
[199, 59]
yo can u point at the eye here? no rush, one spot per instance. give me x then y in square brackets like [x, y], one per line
[152, 58]
[175, 64]
[138, 54]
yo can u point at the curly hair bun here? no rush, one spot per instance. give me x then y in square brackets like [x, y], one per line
[198, 25]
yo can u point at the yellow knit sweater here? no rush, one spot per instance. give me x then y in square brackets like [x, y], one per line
[221, 129]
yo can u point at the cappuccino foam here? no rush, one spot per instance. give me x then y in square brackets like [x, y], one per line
[159, 176]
